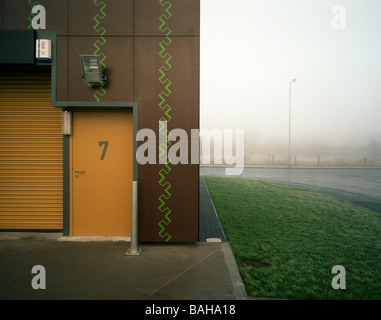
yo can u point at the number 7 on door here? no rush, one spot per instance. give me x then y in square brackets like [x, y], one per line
[105, 144]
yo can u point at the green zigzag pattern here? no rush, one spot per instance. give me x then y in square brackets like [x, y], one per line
[98, 43]
[163, 95]
[30, 18]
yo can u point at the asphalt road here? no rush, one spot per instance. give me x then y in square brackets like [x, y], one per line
[361, 186]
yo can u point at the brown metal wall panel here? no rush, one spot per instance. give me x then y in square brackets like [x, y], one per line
[184, 77]
[184, 204]
[184, 19]
[16, 13]
[56, 15]
[168, 199]
[168, 195]
[119, 69]
[115, 17]
[62, 93]
[177, 219]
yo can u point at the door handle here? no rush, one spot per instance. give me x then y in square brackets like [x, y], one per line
[79, 171]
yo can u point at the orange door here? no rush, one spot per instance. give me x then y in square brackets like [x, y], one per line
[102, 167]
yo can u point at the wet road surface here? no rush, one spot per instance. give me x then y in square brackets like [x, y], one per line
[361, 186]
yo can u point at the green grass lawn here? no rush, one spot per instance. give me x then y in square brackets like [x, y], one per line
[300, 235]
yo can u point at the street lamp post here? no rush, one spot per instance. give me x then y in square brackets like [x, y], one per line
[289, 125]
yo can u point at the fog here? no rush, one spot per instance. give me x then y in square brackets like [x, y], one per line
[251, 50]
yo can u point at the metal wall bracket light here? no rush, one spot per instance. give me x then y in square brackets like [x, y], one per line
[92, 70]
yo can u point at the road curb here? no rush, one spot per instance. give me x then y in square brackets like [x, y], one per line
[235, 276]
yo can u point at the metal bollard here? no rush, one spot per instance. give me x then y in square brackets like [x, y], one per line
[133, 250]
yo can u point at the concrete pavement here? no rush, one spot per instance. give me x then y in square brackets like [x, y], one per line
[101, 270]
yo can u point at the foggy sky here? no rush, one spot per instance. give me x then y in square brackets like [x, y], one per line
[251, 50]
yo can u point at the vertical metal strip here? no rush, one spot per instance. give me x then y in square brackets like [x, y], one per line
[98, 43]
[163, 95]
[66, 185]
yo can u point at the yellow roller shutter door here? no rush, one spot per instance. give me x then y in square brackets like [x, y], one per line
[30, 154]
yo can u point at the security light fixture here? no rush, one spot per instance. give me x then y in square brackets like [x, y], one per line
[92, 70]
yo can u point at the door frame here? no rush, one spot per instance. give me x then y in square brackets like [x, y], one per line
[90, 106]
